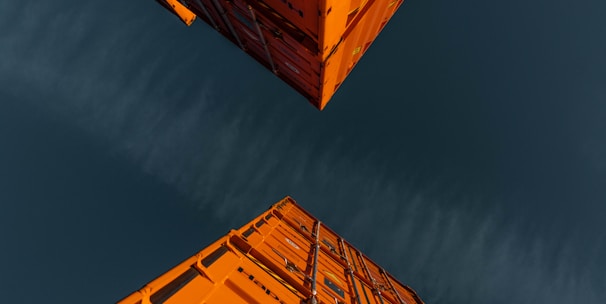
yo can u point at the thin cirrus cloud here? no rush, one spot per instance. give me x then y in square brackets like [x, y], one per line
[94, 78]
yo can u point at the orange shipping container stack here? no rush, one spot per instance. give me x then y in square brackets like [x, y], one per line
[310, 44]
[285, 255]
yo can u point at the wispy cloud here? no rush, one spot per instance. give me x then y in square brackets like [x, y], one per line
[234, 161]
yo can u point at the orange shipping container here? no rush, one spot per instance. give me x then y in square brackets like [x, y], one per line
[285, 255]
[310, 44]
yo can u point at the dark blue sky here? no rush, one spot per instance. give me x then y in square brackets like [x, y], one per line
[466, 153]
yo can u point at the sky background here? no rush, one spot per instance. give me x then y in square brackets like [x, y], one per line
[466, 152]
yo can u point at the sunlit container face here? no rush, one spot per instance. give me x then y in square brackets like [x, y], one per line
[285, 255]
[310, 44]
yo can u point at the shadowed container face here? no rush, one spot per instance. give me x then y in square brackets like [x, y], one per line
[475, 174]
[310, 45]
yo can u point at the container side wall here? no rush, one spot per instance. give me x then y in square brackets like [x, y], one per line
[271, 259]
[311, 45]
[362, 29]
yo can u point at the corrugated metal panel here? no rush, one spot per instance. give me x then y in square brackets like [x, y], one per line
[285, 255]
[311, 44]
